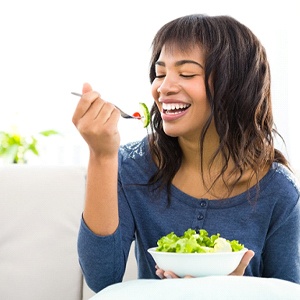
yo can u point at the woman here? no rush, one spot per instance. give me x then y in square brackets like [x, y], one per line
[209, 162]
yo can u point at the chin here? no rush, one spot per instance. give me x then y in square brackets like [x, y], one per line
[170, 132]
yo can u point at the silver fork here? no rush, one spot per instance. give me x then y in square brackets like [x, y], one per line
[123, 114]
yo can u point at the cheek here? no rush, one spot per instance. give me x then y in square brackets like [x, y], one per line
[154, 92]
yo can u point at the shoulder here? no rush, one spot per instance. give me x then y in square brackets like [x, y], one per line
[285, 179]
[136, 155]
[134, 150]
[280, 189]
[135, 160]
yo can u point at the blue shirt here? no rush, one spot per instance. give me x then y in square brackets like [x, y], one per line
[269, 225]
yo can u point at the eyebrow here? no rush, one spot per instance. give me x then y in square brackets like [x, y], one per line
[180, 63]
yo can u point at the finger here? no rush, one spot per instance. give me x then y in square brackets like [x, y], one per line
[103, 112]
[108, 113]
[159, 273]
[84, 105]
[170, 275]
[240, 270]
[115, 116]
[95, 109]
[86, 88]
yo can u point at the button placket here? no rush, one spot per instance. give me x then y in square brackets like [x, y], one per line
[200, 215]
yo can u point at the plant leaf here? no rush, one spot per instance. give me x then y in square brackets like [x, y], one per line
[48, 132]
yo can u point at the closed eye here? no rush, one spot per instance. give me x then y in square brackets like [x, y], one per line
[187, 76]
[182, 75]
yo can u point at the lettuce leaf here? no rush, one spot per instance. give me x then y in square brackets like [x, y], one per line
[196, 242]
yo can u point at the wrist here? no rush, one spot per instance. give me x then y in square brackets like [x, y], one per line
[103, 157]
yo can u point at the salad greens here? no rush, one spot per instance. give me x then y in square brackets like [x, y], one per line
[193, 242]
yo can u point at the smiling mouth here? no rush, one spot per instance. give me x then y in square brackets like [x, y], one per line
[174, 108]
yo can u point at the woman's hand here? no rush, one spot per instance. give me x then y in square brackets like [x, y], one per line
[239, 271]
[97, 120]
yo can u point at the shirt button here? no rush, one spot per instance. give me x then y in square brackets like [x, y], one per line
[203, 204]
[200, 217]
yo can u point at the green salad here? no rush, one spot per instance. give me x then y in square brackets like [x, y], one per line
[196, 242]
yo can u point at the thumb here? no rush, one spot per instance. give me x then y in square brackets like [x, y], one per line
[86, 88]
[240, 270]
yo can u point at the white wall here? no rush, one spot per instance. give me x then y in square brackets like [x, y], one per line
[49, 48]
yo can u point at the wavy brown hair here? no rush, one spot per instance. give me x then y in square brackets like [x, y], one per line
[237, 81]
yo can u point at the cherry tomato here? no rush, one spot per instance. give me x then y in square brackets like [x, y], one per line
[137, 115]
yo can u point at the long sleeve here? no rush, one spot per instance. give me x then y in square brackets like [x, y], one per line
[100, 258]
[281, 255]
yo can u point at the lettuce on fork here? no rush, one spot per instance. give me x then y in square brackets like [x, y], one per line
[193, 242]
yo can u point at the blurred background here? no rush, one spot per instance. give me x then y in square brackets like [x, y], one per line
[50, 48]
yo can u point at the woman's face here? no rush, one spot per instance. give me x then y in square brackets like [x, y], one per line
[179, 92]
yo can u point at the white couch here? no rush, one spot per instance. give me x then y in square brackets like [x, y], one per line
[40, 211]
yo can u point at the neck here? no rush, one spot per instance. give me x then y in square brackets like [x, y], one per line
[191, 150]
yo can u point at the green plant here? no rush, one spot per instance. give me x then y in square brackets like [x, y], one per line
[14, 146]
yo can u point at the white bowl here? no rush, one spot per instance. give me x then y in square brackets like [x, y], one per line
[198, 264]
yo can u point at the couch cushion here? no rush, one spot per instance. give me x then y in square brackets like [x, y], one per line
[40, 209]
[212, 287]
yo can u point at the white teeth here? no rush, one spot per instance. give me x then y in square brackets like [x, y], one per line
[173, 106]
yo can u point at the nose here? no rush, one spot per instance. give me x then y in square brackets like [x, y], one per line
[168, 86]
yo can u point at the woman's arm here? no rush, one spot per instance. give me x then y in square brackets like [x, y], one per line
[96, 120]
[281, 256]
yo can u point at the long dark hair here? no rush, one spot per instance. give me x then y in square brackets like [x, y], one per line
[237, 80]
